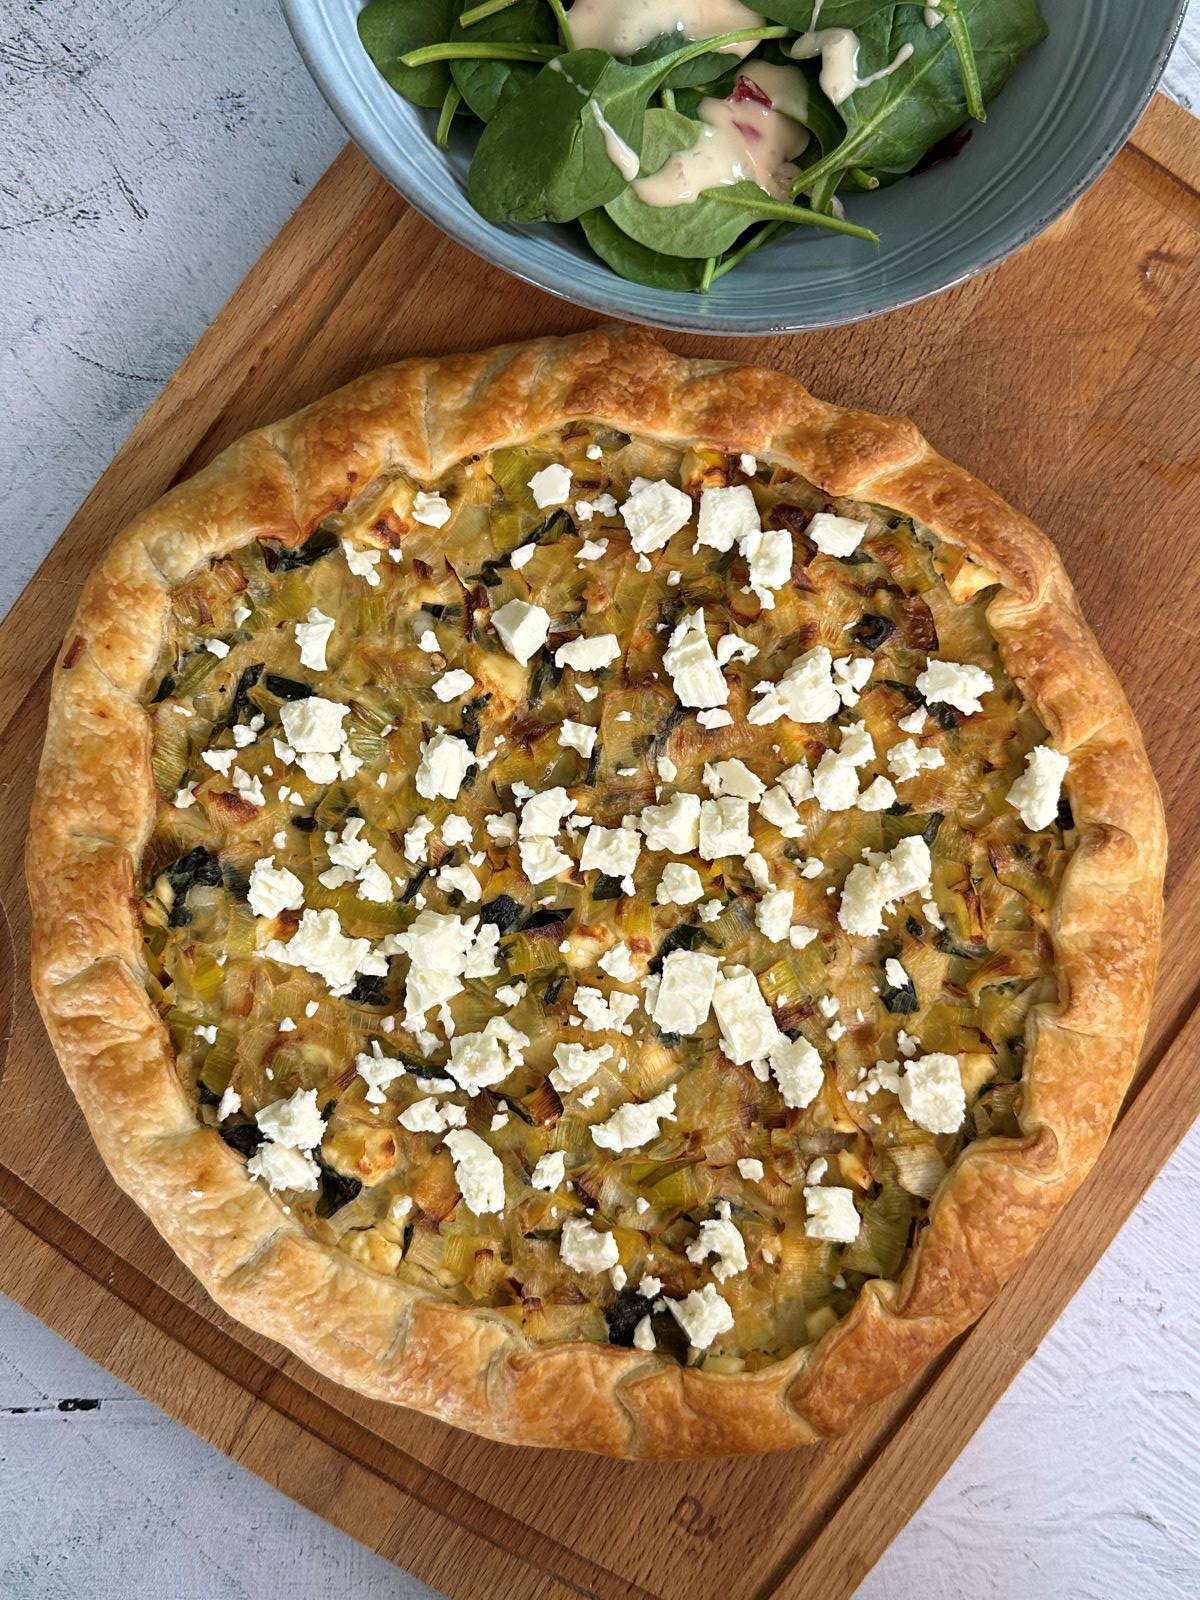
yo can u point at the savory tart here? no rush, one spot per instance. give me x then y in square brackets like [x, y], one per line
[593, 894]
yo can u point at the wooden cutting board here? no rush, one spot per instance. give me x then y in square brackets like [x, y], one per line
[1068, 378]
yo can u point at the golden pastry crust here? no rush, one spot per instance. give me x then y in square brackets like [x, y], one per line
[94, 810]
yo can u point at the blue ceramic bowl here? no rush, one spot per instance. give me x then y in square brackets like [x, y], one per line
[1059, 121]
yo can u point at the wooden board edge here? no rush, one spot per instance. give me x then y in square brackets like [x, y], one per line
[900, 1475]
[1169, 136]
[85, 1297]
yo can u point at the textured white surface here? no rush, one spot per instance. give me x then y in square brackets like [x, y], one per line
[152, 149]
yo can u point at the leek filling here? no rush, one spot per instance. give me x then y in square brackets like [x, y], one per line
[389, 1197]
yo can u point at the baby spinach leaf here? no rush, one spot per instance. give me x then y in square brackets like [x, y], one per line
[699, 228]
[891, 124]
[389, 29]
[713, 64]
[633, 260]
[486, 85]
[544, 157]
[798, 14]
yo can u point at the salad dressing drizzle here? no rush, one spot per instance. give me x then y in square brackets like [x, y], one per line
[838, 50]
[622, 27]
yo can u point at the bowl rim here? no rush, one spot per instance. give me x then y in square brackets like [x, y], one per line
[498, 249]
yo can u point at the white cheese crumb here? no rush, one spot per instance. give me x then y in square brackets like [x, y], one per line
[773, 914]
[576, 1064]
[549, 1171]
[695, 675]
[588, 652]
[835, 536]
[749, 1032]
[959, 684]
[674, 826]
[451, 685]
[217, 647]
[732, 777]
[831, 1215]
[914, 722]
[320, 946]
[703, 1315]
[312, 635]
[635, 1124]
[521, 628]
[685, 992]
[618, 963]
[798, 1072]
[907, 759]
[931, 1093]
[610, 850]
[231, 1102]
[577, 736]
[1035, 794]
[295, 1122]
[718, 717]
[522, 556]
[643, 1335]
[719, 1237]
[477, 1171]
[726, 515]
[895, 974]
[274, 889]
[653, 513]
[870, 890]
[801, 936]
[445, 762]
[583, 1249]
[551, 486]
[679, 885]
[281, 1168]
[750, 1168]
[748, 464]
[725, 828]
[432, 510]
[362, 563]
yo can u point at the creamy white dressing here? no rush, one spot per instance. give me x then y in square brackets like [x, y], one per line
[622, 27]
[838, 50]
[741, 139]
[623, 156]
[933, 17]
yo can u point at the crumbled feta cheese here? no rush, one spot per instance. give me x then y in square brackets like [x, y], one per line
[551, 486]
[295, 1122]
[732, 777]
[521, 628]
[914, 722]
[718, 717]
[217, 647]
[377, 1071]
[907, 1045]
[674, 826]
[695, 675]
[749, 1032]
[768, 553]
[440, 947]
[416, 839]
[522, 556]
[577, 736]
[643, 1335]
[451, 685]
[426, 1116]
[906, 759]
[549, 1170]
[1035, 794]
[312, 636]
[654, 511]
[806, 692]
[594, 452]
[240, 614]
[618, 963]
[362, 563]
[679, 885]
[314, 732]
[831, 1215]
[777, 808]
[760, 872]
[635, 1124]
[274, 889]
[576, 1064]
[502, 827]
[870, 890]
[588, 652]
[773, 914]
[732, 647]
[611, 850]
[685, 992]
[456, 830]
[725, 828]
[719, 1237]
[445, 762]
[541, 859]
[797, 780]
[219, 760]
[931, 1093]
[850, 675]
[877, 796]
[957, 683]
[800, 937]
[811, 867]
[750, 1168]
[703, 1315]
[601, 1013]
[584, 1249]
[248, 787]
[431, 510]
[543, 814]
[429, 642]
[748, 464]
[230, 1103]
[895, 974]
[591, 549]
[281, 1168]
[460, 879]
[835, 536]
[477, 1171]
[726, 515]
[798, 1072]
[320, 946]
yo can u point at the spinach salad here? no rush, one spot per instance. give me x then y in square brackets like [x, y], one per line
[680, 135]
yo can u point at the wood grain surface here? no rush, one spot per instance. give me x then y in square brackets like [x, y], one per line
[1068, 379]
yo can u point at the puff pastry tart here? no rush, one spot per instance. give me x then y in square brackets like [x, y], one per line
[594, 895]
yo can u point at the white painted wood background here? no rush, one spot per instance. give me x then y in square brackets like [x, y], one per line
[151, 149]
